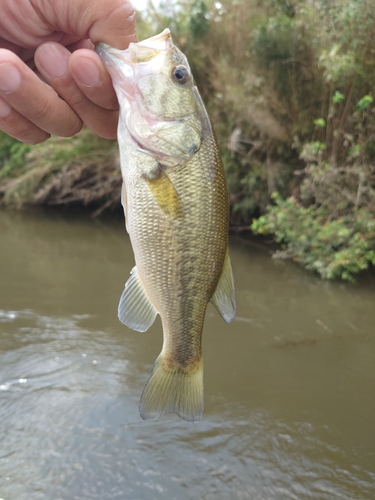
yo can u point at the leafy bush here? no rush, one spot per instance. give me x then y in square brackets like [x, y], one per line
[333, 248]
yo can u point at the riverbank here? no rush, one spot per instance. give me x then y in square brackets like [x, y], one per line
[288, 86]
[82, 170]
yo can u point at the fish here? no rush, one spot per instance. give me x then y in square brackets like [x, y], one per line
[176, 204]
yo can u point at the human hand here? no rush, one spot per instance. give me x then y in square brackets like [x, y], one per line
[51, 80]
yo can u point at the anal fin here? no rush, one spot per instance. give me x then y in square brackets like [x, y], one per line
[224, 298]
[135, 309]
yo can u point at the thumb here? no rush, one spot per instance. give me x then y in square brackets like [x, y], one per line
[109, 21]
[112, 22]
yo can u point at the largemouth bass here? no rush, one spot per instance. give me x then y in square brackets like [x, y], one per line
[176, 206]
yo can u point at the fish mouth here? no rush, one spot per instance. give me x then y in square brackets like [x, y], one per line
[117, 62]
[120, 64]
[125, 66]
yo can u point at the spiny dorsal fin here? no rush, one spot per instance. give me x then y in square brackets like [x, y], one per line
[165, 193]
[224, 298]
[135, 309]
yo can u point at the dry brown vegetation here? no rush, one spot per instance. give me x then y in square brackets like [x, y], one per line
[83, 170]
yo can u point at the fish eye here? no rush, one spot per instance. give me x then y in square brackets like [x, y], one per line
[180, 75]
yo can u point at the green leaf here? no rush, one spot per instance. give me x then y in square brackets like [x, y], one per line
[320, 122]
[365, 102]
[338, 97]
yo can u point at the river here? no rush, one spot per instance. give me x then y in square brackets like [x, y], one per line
[289, 385]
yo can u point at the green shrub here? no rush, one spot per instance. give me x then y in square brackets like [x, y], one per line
[337, 248]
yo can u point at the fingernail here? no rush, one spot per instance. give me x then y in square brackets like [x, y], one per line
[53, 60]
[5, 109]
[86, 71]
[10, 78]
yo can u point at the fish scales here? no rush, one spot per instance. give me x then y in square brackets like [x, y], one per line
[187, 255]
[177, 212]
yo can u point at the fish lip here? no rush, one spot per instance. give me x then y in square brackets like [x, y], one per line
[161, 41]
[105, 50]
[118, 64]
[109, 54]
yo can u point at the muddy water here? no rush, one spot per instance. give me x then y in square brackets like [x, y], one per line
[289, 386]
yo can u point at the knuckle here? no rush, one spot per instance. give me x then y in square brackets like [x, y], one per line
[42, 111]
[102, 95]
[74, 129]
[55, 117]
[31, 135]
[27, 132]
[77, 100]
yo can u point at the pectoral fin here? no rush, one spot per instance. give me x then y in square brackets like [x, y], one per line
[224, 298]
[165, 193]
[135, 309]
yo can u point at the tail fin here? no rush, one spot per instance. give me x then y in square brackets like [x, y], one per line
[171, 390]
